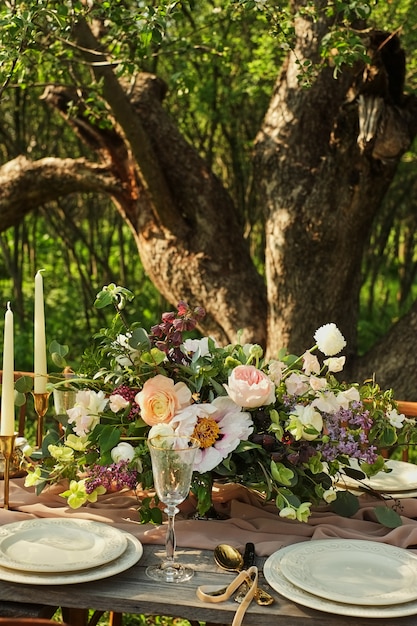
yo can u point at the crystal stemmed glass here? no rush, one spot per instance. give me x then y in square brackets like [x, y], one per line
[172, 466]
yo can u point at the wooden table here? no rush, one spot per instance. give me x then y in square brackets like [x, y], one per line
[132, 592]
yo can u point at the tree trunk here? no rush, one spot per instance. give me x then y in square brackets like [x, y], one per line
[321, 195]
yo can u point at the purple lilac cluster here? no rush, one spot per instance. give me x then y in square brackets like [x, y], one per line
[128, 394]
[112, 477]
[348, 434]
[167, 335]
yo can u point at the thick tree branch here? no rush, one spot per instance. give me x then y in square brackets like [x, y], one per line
[24, 185]
[151, 176]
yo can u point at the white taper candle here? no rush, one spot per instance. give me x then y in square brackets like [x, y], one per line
[7, 386]
[39, 338]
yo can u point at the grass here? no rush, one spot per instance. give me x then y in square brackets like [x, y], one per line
[136, 620]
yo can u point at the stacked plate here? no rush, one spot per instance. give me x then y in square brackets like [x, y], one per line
[356, 578]
[55, 551]
[399, 482]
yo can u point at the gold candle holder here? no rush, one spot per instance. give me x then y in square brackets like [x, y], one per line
[41, 403]
[7, 449]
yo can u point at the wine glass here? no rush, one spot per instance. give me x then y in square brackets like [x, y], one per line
[172, 466]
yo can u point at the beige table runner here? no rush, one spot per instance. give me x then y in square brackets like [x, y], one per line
[248, 519]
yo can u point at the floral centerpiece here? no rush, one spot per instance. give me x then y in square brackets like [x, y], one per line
[287, 427]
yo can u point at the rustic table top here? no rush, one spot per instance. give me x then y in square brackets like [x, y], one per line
[132, 592]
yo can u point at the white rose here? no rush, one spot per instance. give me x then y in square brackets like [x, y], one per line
[329, 339]
[123, 452]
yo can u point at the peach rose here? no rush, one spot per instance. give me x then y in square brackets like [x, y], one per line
[160, 399]
[249, 387]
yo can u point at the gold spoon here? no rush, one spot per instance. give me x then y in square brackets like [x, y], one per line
[229, 558]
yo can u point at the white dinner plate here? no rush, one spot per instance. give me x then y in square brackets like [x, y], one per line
[130, 556]
[277, 580]
[59, 545]
[353, 571]
[401, 478]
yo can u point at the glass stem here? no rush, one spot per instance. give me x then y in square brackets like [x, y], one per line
[170, 543]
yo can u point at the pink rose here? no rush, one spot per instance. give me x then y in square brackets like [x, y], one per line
[248, 387]
[160, 399]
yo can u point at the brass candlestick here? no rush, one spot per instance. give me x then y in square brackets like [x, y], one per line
[41, 403]
[7, 449]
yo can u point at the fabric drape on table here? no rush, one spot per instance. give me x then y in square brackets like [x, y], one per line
[248, 519]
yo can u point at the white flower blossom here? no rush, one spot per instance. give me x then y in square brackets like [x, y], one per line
[396, 419]
[288, 512]
[275, 369]
[317, 383]
[297, 384]
[195, 345]
[335, 364]
[329, 495]
[329, 339]
[132, 356]
[124, 451]
[117, 402]
[311, 363]
[303, 418]
[85, 414]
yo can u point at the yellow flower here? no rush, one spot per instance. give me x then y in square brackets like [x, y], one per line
[77, 443]
[61, 453]
[34, 477]
[303, 512]
[288, 512]
[77, 494]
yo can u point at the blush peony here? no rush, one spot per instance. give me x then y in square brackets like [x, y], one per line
[250, 388]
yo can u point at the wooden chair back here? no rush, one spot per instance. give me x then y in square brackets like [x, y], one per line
[29, 621]
[410, 410]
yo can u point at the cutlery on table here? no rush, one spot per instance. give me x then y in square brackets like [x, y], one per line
[229, 558]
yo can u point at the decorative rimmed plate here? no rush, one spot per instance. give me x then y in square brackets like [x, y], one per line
[401, 479]
[277, 580]
[130, 556]
[59, 545]
[353, 571]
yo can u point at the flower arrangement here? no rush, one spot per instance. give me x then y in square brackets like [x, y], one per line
[287, 427]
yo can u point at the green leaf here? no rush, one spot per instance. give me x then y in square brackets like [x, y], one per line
[24, 384]
[108, 438]
[346, 504]
[19, 398]
[139, 340]
[387, 517]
